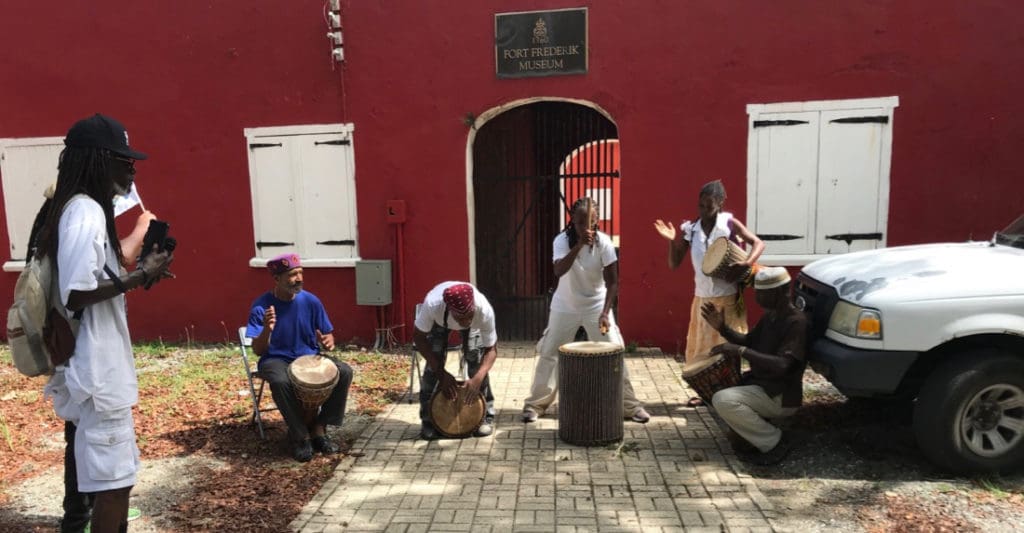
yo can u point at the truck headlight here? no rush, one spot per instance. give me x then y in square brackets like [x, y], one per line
[855, 321]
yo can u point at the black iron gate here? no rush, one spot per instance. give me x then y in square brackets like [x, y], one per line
[521, 185]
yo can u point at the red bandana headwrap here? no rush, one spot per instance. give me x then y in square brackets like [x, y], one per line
[283, 263]
[459, 299]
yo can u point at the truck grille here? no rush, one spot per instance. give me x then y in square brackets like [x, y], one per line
[818, 301]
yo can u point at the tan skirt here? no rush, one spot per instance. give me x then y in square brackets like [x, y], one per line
[701, 337]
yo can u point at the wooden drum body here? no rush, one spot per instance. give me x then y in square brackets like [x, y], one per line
[590, 385]
[313, 377]
[456, 418]
[721, 255]
[711, 375]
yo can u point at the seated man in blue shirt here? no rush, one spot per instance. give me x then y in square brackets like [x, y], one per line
[285, 324]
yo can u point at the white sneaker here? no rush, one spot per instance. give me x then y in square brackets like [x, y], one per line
[529, 415]
[640, 416]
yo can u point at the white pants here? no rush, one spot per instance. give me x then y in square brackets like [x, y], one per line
[562, 329]
[105, 451]
[745, 408]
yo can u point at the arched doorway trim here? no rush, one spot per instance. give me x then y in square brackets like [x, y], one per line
[482, 119]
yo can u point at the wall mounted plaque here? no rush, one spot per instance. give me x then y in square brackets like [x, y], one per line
[540, 43]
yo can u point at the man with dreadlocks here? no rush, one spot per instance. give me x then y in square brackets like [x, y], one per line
[97, 387]
[587, 269]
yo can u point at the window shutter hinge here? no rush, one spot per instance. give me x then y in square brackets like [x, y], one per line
[766, 123]
[850, 237]
[334, 143]
[881, 119]
[272, 244]
[779, 237]
[263, 145]
[347, 242]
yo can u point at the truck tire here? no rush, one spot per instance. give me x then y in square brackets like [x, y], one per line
[969, 416]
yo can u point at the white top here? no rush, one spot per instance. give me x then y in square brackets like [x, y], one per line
[432, 312]
[102, 367]
[705, 286]
[582, 288]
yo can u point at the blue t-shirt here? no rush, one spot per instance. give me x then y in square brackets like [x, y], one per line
[297, 323]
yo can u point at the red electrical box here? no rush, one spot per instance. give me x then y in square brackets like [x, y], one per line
[395, 213]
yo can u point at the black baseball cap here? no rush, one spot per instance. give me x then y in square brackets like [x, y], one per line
[101, 131]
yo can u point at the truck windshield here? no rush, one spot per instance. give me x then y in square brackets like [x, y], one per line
[1012, 235]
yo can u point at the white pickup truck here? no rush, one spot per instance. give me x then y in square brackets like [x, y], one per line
[939, 324]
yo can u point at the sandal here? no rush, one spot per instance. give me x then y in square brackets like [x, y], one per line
[695, 402]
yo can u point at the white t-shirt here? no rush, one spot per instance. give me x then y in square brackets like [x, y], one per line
[102, 367]
[432, 312]
[705, 286]
[582, 288]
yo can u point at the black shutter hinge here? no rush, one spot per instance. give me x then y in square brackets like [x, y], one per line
[850, 237]
[263, 145]
[272, 244]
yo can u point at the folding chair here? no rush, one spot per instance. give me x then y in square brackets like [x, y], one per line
[252, 373]
[414, 368]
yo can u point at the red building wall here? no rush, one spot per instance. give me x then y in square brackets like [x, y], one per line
[674, 76]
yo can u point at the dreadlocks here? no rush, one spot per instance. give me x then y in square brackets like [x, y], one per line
[582, 202]
[80, 171]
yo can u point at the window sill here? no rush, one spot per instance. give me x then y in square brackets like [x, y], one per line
[259, 262]
[14, 265]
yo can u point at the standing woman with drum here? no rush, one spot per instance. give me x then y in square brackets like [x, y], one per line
[587, 268]
[286, 324]
[721, 293]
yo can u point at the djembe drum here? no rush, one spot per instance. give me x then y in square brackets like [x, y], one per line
[723, 254]
[711, 375]
[313, 377]
[457, 418]
[590, 385]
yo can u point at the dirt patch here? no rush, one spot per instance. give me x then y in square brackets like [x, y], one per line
[204, 466]
[856, 467]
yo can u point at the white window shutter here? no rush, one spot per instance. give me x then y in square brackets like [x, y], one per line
[328, 196]
[28, 167]
[272, 174]
[785, 176]
[850, 182]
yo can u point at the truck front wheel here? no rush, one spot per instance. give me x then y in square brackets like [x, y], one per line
[969, 416]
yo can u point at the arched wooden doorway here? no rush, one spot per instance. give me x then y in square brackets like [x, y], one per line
[529, 164]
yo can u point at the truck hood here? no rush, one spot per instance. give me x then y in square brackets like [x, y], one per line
[923, 272]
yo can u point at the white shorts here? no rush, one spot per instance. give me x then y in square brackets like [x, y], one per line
[105, 450]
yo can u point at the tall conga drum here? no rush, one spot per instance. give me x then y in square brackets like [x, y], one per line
[590, 385]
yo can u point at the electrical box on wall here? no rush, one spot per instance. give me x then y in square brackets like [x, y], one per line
[373, 282]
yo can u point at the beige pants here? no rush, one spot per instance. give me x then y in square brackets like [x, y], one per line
[701, 337]
[745, 408]
[562, 329]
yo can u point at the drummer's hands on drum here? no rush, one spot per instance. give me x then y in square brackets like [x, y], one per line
[714, 316]
[472, 385]
[665, 229]
[327, 341]
[449, 387]
[269, 318]
[728, 349]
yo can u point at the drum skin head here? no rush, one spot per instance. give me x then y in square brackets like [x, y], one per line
[591, 348]
[455, 418]
[313, 370]
[690, 369]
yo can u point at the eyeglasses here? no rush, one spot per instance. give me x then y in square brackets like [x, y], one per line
[130, 163]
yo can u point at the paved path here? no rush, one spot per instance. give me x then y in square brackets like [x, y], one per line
[675, 473]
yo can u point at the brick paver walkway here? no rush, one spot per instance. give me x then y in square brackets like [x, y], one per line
[675, 473]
